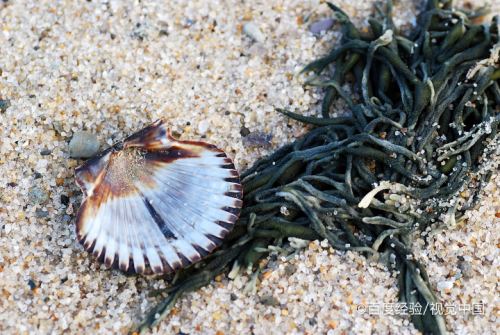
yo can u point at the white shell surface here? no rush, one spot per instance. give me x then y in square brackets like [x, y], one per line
[155, 204]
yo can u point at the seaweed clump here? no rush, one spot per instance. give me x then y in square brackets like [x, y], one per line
[428, 109]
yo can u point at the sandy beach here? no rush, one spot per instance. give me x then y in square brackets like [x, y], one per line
[112, 67]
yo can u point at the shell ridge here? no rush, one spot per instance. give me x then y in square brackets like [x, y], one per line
[124, 245]
[91, 226]
[200, 196]
[111, 253]
[150, 236]
[173, 256]
[167, 207]
[134, 240]
[101, 219]
[140, 234]
[153, 197]
[197, 228]
[200, 184]
[157, 218]
[184, 225]
[223, 198]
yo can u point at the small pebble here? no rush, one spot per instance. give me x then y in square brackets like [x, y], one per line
[244, 131]
[40, 213]
[444, 285]
[258, 138]
[64, 199]
[83, 145]
[4, 104]
[45, 152]
[269, 300]
[31, 284]
[466, 269]
[284, 211]
[37, 196]
[252, 31]
[203, 126]
[322, 25]
[189, 22]
[290, 269]
[58, 127]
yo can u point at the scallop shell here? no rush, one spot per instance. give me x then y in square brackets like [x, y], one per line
[153, 204]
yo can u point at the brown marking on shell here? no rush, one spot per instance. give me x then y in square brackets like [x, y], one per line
[176, 265]
[236, 189]
[169, 155]
[89, 172]
[197, 144]
[150, 138]
[85, 212]
[166, 266]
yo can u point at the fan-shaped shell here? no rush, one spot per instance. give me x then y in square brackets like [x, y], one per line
[153, 204]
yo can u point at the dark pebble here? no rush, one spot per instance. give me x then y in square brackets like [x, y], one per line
[244, 131]
[45, 152]
[12, 184]
[37, 175]
[257, 139]
[269, 300]
[64, 199]
[4, 104]
[233, 297]
[31, 284]
[466, 269]
[290, 269]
